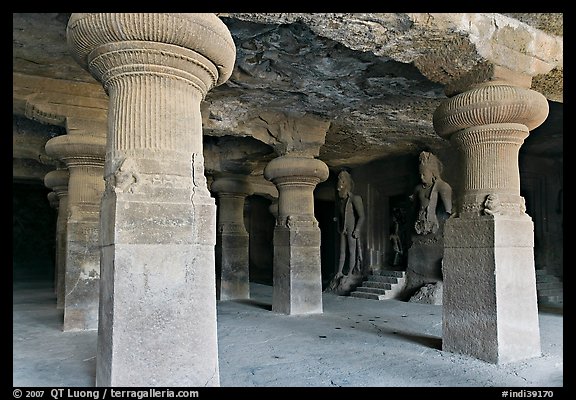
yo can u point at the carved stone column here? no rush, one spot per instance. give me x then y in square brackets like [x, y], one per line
[489, 302]
[157, 298]
[297, 270]
[232, 250]
[57, 180]
[82, 150]
[53, 200]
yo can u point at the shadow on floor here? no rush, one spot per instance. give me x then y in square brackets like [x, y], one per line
[428, 341]
[258, 304]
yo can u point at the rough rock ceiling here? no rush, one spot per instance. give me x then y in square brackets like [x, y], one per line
[372, 81]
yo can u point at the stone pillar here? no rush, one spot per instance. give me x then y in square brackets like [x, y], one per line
[57, 180]
[297, 270]
[157, 322]
[232, 238]
[53, 200]
[82, 150]
[489, 302]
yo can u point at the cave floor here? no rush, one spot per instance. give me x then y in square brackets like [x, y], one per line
[353, 343]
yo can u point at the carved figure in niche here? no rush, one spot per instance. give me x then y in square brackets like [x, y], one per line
[427, 192]
[125, 177]
[350, 225]
[492, 204]
[396, 237]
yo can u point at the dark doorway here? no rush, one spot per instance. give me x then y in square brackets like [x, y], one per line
[260, 226]
[33, 233]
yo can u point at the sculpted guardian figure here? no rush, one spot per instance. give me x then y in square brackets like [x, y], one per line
[350, 225]
[427, 192]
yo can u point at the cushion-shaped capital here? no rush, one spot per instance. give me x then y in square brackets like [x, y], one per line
[203, 33]
[287, 166]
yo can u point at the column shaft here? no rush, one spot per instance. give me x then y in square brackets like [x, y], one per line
[232, 251]
[489, 300]
[82, 282]
[297, 276]
[58, 181]
[83, 153]
[158, 240]
[157, 299]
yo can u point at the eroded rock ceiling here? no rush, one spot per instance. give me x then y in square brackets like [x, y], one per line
[371, 81]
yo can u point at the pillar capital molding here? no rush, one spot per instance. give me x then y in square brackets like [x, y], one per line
[232, 185]
[486, 73]
[287, 169]
[493, 103]
[78, 149]
[488, 123]
[296, 178]
[291, 134]
[110, 45]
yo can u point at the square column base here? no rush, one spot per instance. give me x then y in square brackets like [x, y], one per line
[232, 258]
[157, 319]
[490, 308]
[82, 275]
[297, 271]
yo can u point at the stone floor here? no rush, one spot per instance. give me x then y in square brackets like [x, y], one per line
[354, 343]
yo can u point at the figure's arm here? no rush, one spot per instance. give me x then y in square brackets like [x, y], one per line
[359, 207]
[446, 196]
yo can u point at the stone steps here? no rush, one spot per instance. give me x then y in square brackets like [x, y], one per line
[381, 286]
[549, 289]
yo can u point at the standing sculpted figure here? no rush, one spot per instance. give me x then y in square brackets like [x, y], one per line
[427, 192]
[351, 221]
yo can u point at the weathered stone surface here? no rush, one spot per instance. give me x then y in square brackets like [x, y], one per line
[297, 275]
[157, 302]
[82, 150]
[490, 310]
[430, 293]
[232, 251]
[58, 181]
[376, 77]
[152, 303]
[236, 155]
[490, 307]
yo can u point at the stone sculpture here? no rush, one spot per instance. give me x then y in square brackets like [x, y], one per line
[427, 192]
[349, 226]
[427, 248]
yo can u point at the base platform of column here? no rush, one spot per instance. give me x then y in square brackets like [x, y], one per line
[82, 276]
[158, 316]
[232, 259]
[490, 309]
[297, 271]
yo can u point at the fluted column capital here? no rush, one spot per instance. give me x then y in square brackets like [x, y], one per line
[232, 185]
[78, 150]
[488, 121]
[296, 169]
[490, 103]
[195, 47]
[296, 179]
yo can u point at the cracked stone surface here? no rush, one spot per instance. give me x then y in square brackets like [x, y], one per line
[370, 80]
